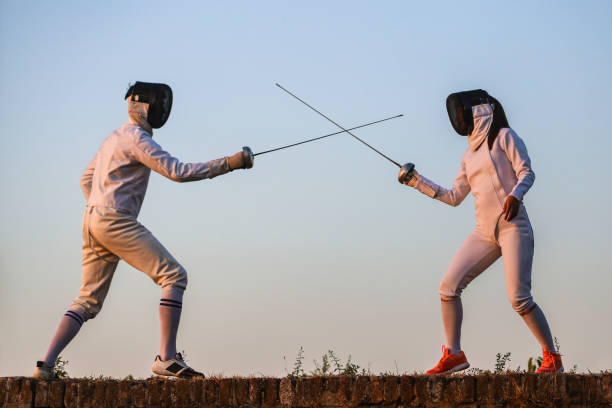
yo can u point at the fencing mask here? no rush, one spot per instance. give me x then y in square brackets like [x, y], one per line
[459, 107]
[159, 98]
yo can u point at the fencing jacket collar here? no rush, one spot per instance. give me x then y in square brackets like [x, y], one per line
[483, 118]
[138, 115]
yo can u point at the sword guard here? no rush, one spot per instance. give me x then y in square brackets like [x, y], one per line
[247, 155]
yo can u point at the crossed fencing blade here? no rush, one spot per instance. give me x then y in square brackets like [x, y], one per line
[343, 129]
[328, 135]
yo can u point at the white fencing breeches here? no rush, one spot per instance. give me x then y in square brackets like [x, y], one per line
[513, 241]
[110, 235]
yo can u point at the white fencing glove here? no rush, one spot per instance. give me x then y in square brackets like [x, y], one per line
[241, 160]
[407, 174]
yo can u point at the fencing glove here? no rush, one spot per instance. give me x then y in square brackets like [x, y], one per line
[241, 160]
[407, 174]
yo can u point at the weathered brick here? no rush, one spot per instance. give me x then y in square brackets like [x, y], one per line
[12, 390]
[111, 392]
[3, 381]
[515, 386]
[241, 392]
[606, 385]
[286, 391]
[460, 389]
[196, 391]
[391, 389]
[167, 398]
[428, 389]
[19, 393]
[71, 394]
[85, 394]
[124, 399]
[514, 390]
[500, 388]
[406, 389]
[375, 390]
[210, 393]
[41, 394]
[484, 388]
[98, 397]
[271, 393]
[593, 389]
[308, 392]
[153, 393]
[56, 394]
[360, 391]
[330, 393]
[256, 389]
[574, 387]
[181, 396]
[226, 392]
[139, 397]
[347, 386]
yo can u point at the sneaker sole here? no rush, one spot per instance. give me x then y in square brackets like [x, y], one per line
[560, 370]
[456, 368]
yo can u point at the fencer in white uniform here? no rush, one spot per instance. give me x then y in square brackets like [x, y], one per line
[496, 168]
[114, 184]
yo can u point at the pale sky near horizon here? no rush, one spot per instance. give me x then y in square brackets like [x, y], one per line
[317, 246]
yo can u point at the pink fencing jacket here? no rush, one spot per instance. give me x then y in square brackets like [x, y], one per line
[491, 175]
[118, 175]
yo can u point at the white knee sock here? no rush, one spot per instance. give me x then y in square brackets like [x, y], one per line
[452, 317]
[68, 328]
[536, 321]
[169, 316]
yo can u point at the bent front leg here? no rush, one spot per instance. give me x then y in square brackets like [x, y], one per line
[474, 256]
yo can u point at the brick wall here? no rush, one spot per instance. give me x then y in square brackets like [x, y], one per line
[511, 390]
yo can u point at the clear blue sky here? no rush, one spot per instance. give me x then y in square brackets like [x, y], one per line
[318, 246]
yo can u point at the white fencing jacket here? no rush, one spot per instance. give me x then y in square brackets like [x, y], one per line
[118, 175]
[491, 175]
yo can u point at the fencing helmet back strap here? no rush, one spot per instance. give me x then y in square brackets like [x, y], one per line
[159, 98]
[459, 106]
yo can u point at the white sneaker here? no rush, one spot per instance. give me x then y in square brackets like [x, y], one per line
[44, 372]
[174, 367]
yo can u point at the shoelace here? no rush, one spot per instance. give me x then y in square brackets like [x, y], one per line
[441, 362]
[549, 357]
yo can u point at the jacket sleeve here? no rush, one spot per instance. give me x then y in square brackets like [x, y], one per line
[516, 151]
[87, 177]
[452, 197]
[149, 153]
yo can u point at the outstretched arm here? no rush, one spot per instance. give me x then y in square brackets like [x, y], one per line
[453, 197]
[87, 177]
[153, 156]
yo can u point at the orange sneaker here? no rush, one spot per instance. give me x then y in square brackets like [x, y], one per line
[449, 363]
[551, 363]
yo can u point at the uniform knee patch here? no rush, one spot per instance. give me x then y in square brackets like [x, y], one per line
[445, 298]
[177, 278]
[523, 306]
[448, 292]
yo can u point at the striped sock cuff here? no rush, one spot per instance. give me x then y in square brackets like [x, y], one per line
[74, 316]
[170, 303]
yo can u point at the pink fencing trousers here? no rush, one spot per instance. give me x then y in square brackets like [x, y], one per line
[513, 241]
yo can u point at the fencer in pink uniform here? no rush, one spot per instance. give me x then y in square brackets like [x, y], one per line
[496, 168]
